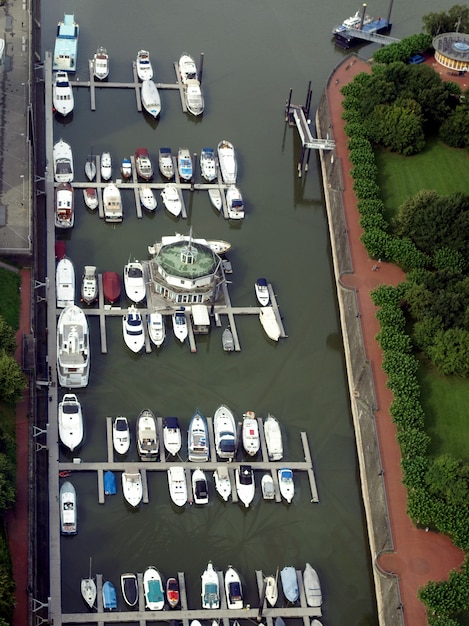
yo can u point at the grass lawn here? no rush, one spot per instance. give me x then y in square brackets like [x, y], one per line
[438, 167]
[10, 301]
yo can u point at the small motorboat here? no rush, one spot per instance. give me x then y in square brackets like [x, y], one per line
[269, 323]
[224, 426]
[143, 64]
[132, 487]
[199, 487]
[208, 166]
[233, 589]
[268, 487]
[315, 622]
[153, 589]
[129, 588]
[172, 592]
[273, 438]
[143, 164]
[62, 157]
[227, 340]
[177, 485]
[156, 328]
[185, 164]
[250, 433]
[64, 206]
[235, 203]
[132, 329]
[89, 284]
[90, 196]
[187, 68]
[151, 98]
[245, 485]
[180, 326]
[90, 167]
[134, 281]
[65, 283]
[271, 590]
[101, 63]
[121, 435]
[312, 586]
[261, 288]
[109, 596]
[126, 168]
[148, 443]
[88, 589]
[111, 286]
[70, 418]
[197, 438]
[222, 482]
[60, 249]
[106, 166]
[62, 94]
[68, 509]
[216, 198]
[194, 97]
[147, 198]
[165, 163]
[227, 162]
[110, 487]
[171, 199]
[210, 588]
[112, 201]
[73, 348]
[290, 583]
[286, 484]
[172, 437]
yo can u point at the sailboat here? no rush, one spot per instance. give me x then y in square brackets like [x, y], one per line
[90, 167]
[88, 589]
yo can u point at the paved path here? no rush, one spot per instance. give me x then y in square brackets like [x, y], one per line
[419, 556]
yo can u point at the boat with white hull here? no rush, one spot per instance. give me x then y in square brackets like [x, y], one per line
[210, 588]
[271, 590]
[151, 98]
[89, 284]
[290, 583]
[153, 589]
[177, 485]
[62, 94]
[194, 97]
[112, 201]
[70, 417]
[64, 206]
[286, 484]
[171, 199]
[199, 487]
[227, 162]
[268, 487]
[224, 426]
[233, 589]
[269, 323]
[132, 487]
[147, 198]
[132, 329]
[234, 203]
[172, 436]
[62, 158]
[143, 164]
[143, 65]
[65, 283]
[185, 164]
[90, 196]
[101, 63]
[165, 162]
[134, 281]
[180, 327]
[68, 509]
[245, 485]
[88, 589]
[261, 288]
[250, 434]
[129, 588]
[208, 166]
[148, 443]
[222, 482]
[73, 349]
[197, 438]
[312, 586]
[187, 68]
[121, 435]
[273, 438]
[156, 328]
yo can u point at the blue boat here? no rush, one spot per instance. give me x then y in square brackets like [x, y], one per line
[109, 596]
[290, 583]
[66, 45]
[344, 38]
[184, 163]
[109, 484]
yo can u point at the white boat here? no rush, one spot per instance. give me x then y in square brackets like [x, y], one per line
[199, 487]
[268, 487]
[271, 590]
[312, 586]
[73, 348]
[351, 22]
[90, 167]
[63, 162]
[143, 64]
[132, 329]
[106, 166]
[121, 435]
[171, 199]
[185, 164]
[101, 63]
[224, 426]
[187, 68]
[70, 422]
[112, 201]
[88, 589]
[90, 197]
[194, 97]
[210, 588]
[151, 98]
[234, 203]
[261, 288]
[129, 588]
[177, 485]
[215, 196]
[286, 484]
[134, 281]
[126, 168]
[148, 443]
[156, 328]
[250, 433]
[143, 164]
[180, 327]
[245, 485]
[222, 482]
[65, 283]
[132, 487]
[315, 622]
[290, 583]
[233, 589]
[68, 509]
[227, 162]
[269, 323]
[147, 198]
[172, 437]
[64, 206]
[89, 284]
[165, 163]
[273, 438]
[153, 589]
[197, 438]
[227, 340]
[208, 166]
[62, 94]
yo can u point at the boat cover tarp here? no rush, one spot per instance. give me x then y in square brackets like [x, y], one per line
[211, 594]
[109, 596]
[171, 422]
[289, 583]
[109, 483]
[262, 282]
[234, 590]
[201, 489]
[155, 593]
[227, 445]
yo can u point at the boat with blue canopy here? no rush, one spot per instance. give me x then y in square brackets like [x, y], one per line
[66, 44]
[289, 583]
[153, 589]
[109, 483]
[109, 596]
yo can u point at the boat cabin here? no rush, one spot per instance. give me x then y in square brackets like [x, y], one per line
[201, 317]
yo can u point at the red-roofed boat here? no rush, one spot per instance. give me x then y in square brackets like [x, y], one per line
[111, 286]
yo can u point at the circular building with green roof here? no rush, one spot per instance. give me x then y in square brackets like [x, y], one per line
[452, 51]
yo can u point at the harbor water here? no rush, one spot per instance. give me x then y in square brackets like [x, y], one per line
[254, 52]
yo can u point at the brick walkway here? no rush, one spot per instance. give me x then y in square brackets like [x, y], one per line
[419, 556]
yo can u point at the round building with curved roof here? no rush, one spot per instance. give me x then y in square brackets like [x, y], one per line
[452, 51]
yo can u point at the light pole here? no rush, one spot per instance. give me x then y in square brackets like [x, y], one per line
[22, 178]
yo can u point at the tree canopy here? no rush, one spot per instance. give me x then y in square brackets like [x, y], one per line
[456, 19]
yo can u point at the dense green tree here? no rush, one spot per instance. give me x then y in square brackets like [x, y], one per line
[450, 352]
[455, 129]
[12, 380]
[456, 18]
[7, 337]
[404, 49]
